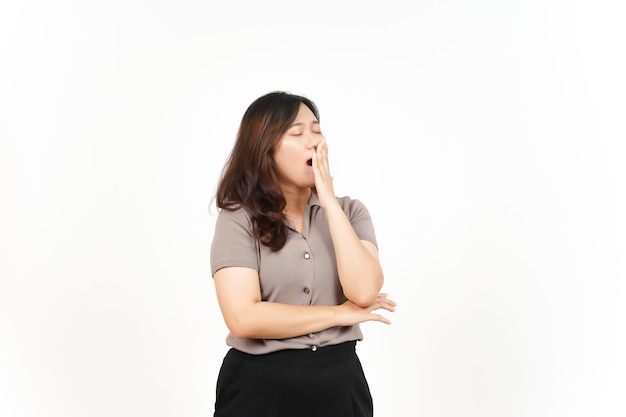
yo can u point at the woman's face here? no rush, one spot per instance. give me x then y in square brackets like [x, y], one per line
[295, 150]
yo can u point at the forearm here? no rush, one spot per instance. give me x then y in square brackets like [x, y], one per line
[360, 273]
[268, 320]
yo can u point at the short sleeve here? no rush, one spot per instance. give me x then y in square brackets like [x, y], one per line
[360, 219]
[233, 243]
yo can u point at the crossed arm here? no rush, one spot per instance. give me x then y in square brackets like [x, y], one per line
[247, 316]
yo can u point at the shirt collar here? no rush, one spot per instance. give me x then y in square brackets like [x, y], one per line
[313, 200]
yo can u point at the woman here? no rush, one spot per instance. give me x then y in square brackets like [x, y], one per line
[295, 270]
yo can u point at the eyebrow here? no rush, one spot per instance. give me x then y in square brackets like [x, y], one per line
[315, 122]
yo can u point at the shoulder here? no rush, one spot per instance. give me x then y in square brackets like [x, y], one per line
[233, 241]
[352, 206]
[359, 217]
[233, 218]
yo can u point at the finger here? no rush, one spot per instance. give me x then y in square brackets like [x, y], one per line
[322, 152]
[391, 302]
[318, 157]
[320, 166]
[387, 307]
[382, 305]
[382, 319]
[382, 297]
[317, 168]
[325, 155]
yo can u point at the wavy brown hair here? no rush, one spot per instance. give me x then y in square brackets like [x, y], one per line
[250, 178]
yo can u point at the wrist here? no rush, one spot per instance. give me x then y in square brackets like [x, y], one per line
[331, 205]
[335, 315]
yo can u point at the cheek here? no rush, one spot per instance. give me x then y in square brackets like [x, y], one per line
[283, 163]
[287, 152]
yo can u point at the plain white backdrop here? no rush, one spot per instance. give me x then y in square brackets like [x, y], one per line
[486, 138]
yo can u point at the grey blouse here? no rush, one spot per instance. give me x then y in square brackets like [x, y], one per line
[303, 272]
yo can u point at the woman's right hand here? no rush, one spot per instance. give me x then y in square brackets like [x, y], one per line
[349, 313]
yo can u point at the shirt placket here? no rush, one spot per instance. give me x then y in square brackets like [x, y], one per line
[309, 262]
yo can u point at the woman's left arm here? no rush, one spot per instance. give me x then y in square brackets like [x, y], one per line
[360, 272]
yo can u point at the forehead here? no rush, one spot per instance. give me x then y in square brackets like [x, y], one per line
[304, 114]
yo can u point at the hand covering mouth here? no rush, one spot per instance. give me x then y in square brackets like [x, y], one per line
[309, 162]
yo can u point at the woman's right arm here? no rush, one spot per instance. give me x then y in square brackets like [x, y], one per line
[246, 316]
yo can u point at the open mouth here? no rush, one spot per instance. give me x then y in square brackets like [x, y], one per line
[309, 162]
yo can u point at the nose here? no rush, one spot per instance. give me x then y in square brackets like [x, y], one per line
[313, 140]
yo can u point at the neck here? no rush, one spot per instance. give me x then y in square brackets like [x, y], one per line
[296, 200]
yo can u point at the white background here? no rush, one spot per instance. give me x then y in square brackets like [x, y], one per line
[486, 137]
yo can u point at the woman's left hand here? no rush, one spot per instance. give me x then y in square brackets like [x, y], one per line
[323, 179]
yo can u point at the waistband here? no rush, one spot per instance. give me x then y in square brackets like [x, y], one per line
[313, 356]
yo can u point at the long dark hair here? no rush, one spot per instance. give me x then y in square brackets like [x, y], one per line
[250, 178]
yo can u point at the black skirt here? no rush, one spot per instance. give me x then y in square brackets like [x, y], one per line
[326, 381]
